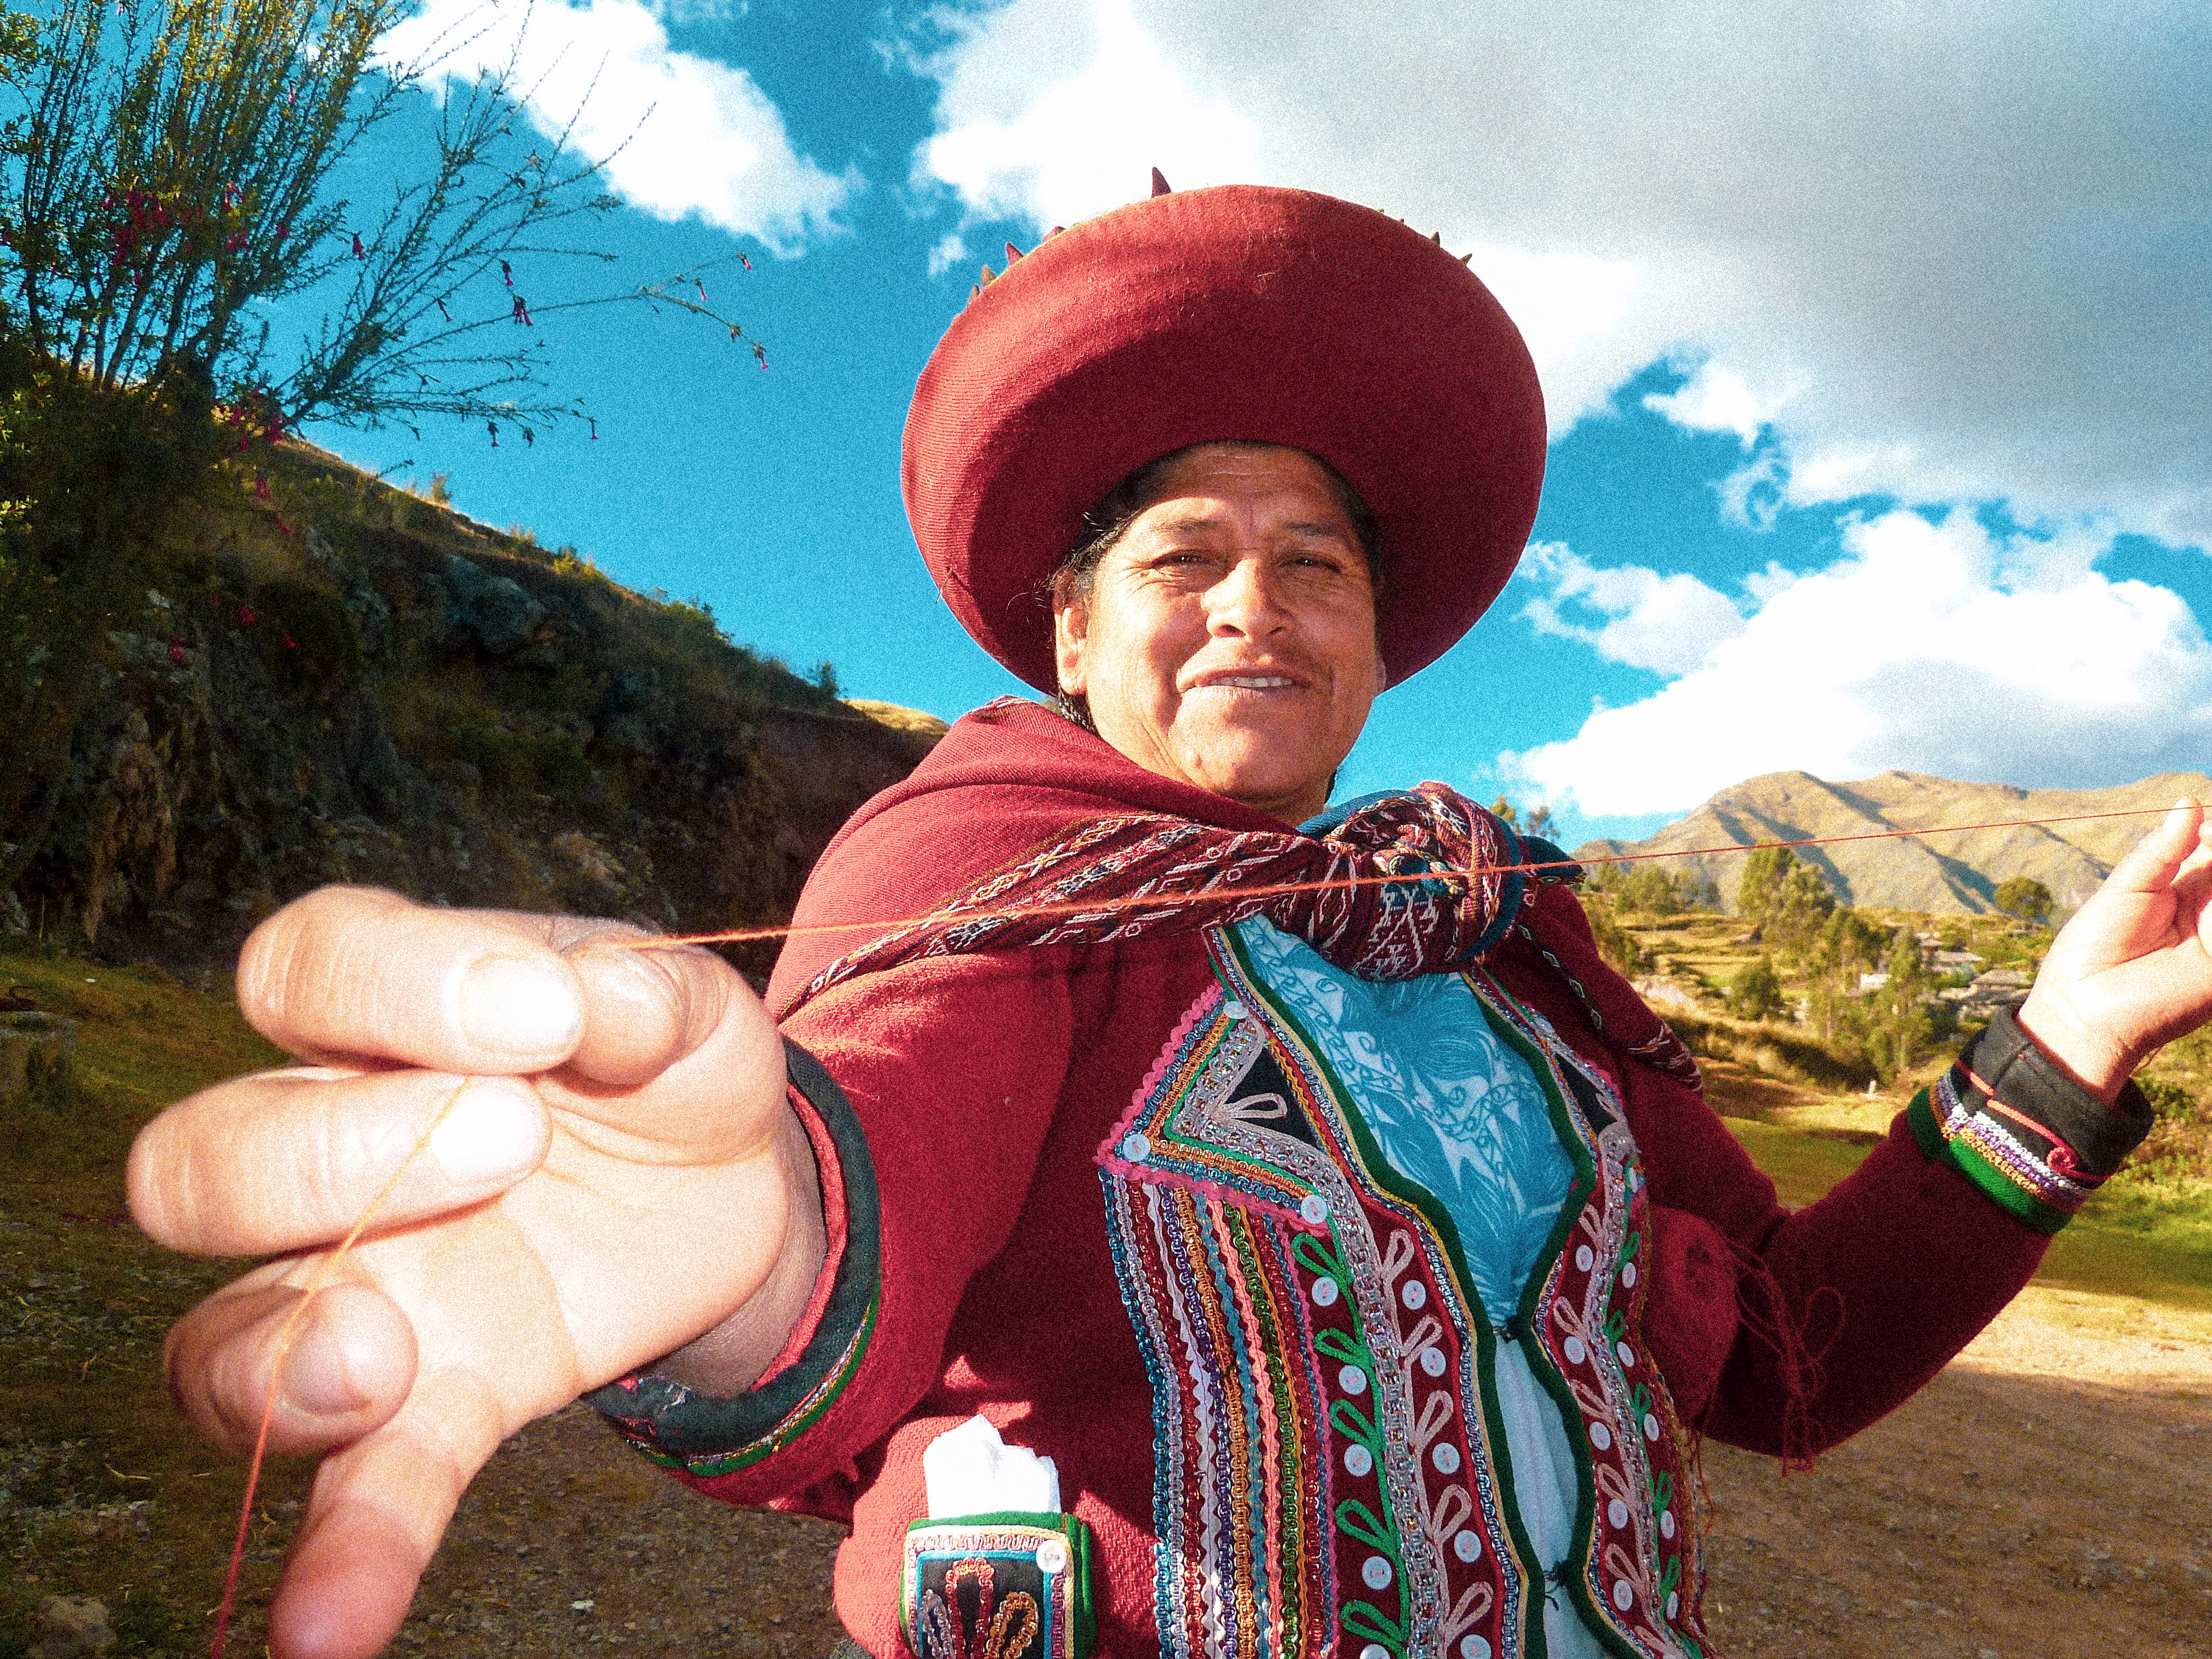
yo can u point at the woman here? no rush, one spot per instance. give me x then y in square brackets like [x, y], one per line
[1354, 1243]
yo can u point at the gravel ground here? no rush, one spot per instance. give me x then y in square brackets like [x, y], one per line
[569, 1544]
[2050, 1497]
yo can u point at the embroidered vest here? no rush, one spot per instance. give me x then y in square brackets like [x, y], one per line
[1330, 1474]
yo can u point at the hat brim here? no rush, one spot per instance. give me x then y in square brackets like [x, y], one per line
[1239, 311]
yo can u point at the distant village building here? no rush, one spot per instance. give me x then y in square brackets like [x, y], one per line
[1990, 993]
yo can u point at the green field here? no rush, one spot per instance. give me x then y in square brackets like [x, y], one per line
[2139, 1240]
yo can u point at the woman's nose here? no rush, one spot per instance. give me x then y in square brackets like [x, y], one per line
[1245, 602]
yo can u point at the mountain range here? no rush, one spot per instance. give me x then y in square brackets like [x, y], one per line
[1920, 861]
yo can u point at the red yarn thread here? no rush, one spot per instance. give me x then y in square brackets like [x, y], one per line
[287, 1336]
[1092, 906]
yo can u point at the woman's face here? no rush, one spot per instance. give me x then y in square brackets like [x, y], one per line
[1228, 639]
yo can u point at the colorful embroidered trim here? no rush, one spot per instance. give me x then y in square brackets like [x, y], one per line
[1642, 1576]
[1325, 1481]
[2032, 1139]
[1299, 1491]
[2026, 1170]
[1006, 1585]
[1240, 1458]
[704, 1435]
[1662, 1051]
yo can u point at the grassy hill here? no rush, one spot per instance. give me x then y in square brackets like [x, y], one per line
[1946, 874]
[319, 678]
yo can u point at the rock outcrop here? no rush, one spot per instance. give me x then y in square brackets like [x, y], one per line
[370, 688]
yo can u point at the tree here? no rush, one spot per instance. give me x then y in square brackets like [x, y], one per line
[1615, 943]
[166, 176]
[1756, 991]
[1789, 901]
[166, 171]
[2024, 898]
[1847, 945]
[1904, 1023]
[1503, 810]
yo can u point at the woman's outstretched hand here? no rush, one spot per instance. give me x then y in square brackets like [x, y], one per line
[615, 1176]
[2133, 970]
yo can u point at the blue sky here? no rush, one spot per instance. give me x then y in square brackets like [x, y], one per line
[1874, 346]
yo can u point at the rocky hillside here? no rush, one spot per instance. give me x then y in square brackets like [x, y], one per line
[337, 681]
[1951, 872]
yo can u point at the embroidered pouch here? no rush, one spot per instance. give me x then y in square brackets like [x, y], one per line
[1014, 1584]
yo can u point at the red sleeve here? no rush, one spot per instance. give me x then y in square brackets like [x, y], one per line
[1847, 1305]
[952, 1068]
[1841, 1310]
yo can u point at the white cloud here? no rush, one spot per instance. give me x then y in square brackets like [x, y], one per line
[1936, 647]
[1669, 624]
[1951, 253]
[949, 247]
[1051, 109]
[688, 135]
[1716, 399]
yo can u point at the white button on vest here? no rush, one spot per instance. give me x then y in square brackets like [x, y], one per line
[1375, 1573]
[1666, 1524]
[1235, 1010]
[1628, 1273]
[1414, 1293]
[1314, 1208]
[1474, 1647]
[1352, 1380]
[1601, 1436]
[1617, 1512]
[1136, 1147]
[1052, 1556]
[1358, 1460]
[1467, 1544]
[1583, 1259]
[1324, 1293]
[1624, 1594]
[1433, 1361]
[1445, 1456]
[1575, 1350]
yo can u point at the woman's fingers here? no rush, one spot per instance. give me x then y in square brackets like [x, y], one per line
[680, 1063]
[380, 1508]
[352, 1574]
[2155, 861]
[342, 1363]
[2130, 970]
[285, 1160]
[351, 971]
[647, 1008]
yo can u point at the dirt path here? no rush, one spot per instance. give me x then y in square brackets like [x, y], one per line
[2050, 1497]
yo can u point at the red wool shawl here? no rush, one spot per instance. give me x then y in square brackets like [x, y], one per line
[1020, 823]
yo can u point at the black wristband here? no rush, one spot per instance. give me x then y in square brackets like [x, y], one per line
[2006, 1063]
[708, 1435]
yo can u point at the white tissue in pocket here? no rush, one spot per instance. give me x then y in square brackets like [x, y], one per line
[969, 1470]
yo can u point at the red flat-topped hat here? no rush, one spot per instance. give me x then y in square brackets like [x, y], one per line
[1239, 311]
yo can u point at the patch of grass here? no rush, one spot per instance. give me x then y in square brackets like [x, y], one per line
[2152, 1241]
[104, 1489]
[1802, 1163]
